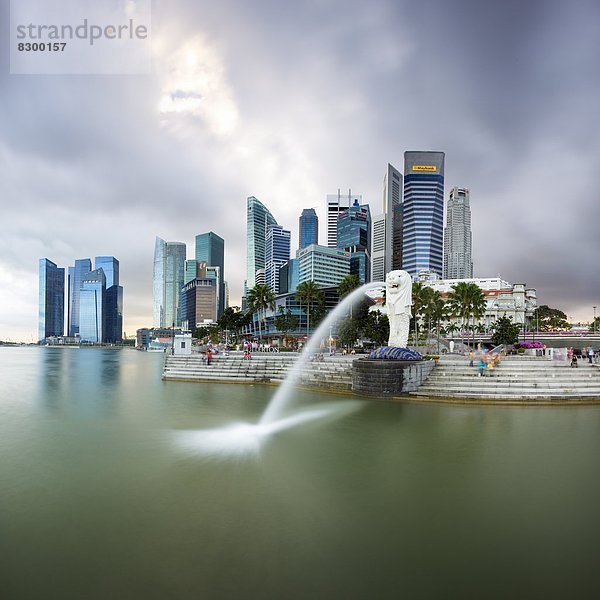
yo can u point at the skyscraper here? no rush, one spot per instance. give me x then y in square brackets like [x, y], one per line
[51, 300]
[335, 204]
[82, 267]
[258, 219]
[167, 281]
[323, 265]
[354, 236]
[458, 263]
[423, 218]
[308, 228]
[113, 308]
[277, 253]
[92, 302]
[210, 248]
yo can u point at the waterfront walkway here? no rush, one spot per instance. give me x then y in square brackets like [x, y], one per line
[515, 378]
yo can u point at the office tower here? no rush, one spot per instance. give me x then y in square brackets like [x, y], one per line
[167, 281]
[397, 237]
[288, 276]
[277, 253]
[258, 220]
[82, 267]
[226, 286]
[423, 218]
[386, 234]
[210, 248]
[91, 306]
[323, 265]
[335, 204]
[191, 270]
[354, 237]
[113, 309]
[308, 228]
[200, 299]
[458, 263]
[51, 300]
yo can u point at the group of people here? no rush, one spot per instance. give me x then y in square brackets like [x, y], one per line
[486, 363]
[586, 354]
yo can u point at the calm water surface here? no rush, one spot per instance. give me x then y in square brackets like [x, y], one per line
[98, 498]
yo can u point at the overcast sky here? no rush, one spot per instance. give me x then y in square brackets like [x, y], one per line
[291, 101]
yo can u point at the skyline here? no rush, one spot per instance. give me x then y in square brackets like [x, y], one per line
[239, 104]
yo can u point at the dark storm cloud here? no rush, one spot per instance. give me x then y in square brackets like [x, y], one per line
[312, 97]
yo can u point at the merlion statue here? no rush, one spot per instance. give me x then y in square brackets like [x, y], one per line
[398, 300]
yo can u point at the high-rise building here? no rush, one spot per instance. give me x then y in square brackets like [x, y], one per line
[210, 248]
[92, 301]
[113, 309]
[277, 253]
[82, 267]
[335, 204]
[386, 234]
[167, 280]
[199, 302]
[288, 276]
[323, 265]
[191, 270]
[258, 220]
[354, 237]
[458, 263]
[308, 228]
[397, 237]
[423, 217]
[51, 300]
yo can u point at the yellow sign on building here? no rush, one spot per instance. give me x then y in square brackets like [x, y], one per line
[426, 168]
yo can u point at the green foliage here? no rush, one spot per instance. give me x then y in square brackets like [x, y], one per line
[348, 284]
[549, 319]
[505, 331]
[348, 331]
[233, 320]
[312, 301]
[377, 327]
[202, 333]
[259, 298]
[285, 321]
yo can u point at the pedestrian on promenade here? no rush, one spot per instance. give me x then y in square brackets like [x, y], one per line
[209, 356]
[591, 355]
[481, 366]
[574, 362]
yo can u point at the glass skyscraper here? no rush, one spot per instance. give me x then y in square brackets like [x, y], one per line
[277, 253]
[337, 203]
[113, 309]
[258, 220]
[354, 236]
[167, 280]
[51, 300]
[210, 248]
[82, 267]
[423, 212]
[92, 300]
[308, 228]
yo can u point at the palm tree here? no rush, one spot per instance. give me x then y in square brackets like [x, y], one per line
[348, 284]
[467, 300]
[259, 298]
[310, 295]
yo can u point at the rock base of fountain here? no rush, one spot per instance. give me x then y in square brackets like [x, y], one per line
[389, 372]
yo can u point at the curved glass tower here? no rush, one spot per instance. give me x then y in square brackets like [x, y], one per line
[423, 212]
[258, 220]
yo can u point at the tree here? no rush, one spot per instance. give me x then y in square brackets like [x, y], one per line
[312, 300]
[550, 319]
[231, 320]
[505, 331]
[377, 328]
[285, 321]
[348, 331]
[467, 300]
[259, 298]
[419, 299]
[348, 284]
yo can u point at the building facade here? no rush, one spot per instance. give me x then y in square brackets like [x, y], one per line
[308, 228]
[259, 218]
[51, 300]
[199, 303]
[277, 253]
[323, 265]
[384, 230]
[113, 308]
[167, 281]
[335, 204]
[423, 212]
[92, 301]
[458, 262]
[354, 237]
[210, 248]
[76, 273]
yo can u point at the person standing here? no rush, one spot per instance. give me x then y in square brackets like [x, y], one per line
[591, 355]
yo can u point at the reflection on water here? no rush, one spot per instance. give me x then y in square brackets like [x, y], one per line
[114, 484]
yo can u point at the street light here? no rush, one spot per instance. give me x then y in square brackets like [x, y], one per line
[594, 321]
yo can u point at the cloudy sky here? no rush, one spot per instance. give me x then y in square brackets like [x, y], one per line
[291, 101]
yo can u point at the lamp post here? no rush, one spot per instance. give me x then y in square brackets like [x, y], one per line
[594, 321]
